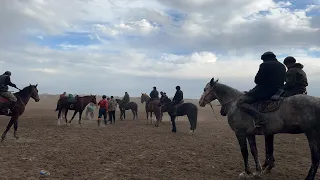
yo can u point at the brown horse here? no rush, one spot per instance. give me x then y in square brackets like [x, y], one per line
[23, 97]
[78, 106]
[152, 106]
[123, 107]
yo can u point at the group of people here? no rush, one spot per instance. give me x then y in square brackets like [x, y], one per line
[273, 81]
[177, 99]
[107, 105]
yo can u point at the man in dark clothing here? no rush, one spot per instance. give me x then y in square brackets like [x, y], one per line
[177, 99]
[154, 94]
[125, 99]
[269, 80]
[5, 81]
[162, 96]
[296, 78]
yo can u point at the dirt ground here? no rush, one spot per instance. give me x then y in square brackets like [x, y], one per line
[134, 150]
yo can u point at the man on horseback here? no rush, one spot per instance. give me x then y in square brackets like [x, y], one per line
[154, 95]
[162, 96]
[125, 99]
[296, 78]
[5, 81]
[269, 80]
[63, 95]
[177, 99]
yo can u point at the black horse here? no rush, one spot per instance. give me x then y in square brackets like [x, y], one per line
[183, 109]
[123, 107]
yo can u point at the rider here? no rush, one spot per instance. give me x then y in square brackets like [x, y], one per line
[125, 99]
[269, 81]
[63, 95]
[162, 96]
[154, 95]
[177, 99]
[296, 78]
[5, 81]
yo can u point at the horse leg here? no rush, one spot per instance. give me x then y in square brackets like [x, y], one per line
[136, 111]
[254, 152]
[59, 115]
[193, 122]
[74, 114]
[269, 162]
[80, 116]
[66, 115]
[124, 114]
[134, 114]
[11, 122]
[314, 144]
[242, 140]
[15, 127]
[173, 123]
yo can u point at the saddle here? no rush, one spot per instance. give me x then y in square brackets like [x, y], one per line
[270, 105]
[179, 104]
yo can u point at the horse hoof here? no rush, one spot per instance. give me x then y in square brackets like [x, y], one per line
[244, 176]
[174, 131]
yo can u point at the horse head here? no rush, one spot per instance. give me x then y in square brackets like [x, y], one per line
[33, 91]
[208, 94]
[94, 99]
[144, 97]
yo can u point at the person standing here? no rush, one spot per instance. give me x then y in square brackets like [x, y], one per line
[90, 110]
[103, 110]
[112, 110]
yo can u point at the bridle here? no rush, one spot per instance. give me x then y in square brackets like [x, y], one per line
[210, 92]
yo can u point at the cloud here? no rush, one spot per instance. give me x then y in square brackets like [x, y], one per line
[117, 46]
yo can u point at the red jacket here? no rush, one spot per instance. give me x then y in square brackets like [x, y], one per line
[103, 104]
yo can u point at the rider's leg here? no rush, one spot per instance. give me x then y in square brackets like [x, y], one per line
[244, 104]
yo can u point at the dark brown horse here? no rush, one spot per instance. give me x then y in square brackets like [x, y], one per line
[123, 107]
[23, 97]
[152, 106]
[78, 105]
[188, 109]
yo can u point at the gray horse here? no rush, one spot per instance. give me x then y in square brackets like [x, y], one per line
[294, 115]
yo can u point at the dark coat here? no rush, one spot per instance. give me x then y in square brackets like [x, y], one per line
[178, 97]
[5, 81]
[296, 80]
[154, 94]
[269, 79]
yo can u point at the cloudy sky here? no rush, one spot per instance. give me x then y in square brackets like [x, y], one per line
[112, 46]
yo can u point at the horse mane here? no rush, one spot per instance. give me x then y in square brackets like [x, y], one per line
[25, 91]
[225, 89]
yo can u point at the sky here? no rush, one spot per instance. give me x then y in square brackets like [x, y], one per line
[112, 46]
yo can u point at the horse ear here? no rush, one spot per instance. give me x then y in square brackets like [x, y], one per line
[212, 82]
[36, 85]
[216, 80]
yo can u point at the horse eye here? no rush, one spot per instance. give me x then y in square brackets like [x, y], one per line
[204, 89]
